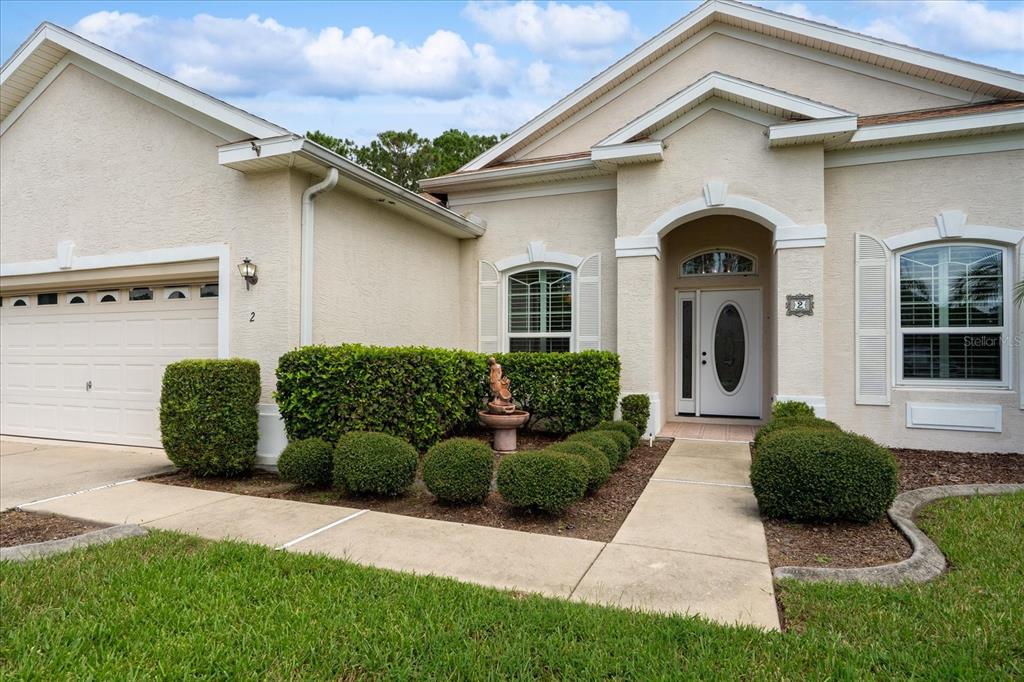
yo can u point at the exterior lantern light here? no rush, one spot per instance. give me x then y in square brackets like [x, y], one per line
[248, 271]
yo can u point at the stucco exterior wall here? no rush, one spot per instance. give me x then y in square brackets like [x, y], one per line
[381, 279]
[854, 92]
[719, 146]
[581, 224]
[888, 199]
[91, 163]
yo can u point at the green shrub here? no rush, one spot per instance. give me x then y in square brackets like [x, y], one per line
[375, 463]
[636, 409]
[805, 475]
[783, 423]
[567, 392]
[607, 442]
[598, 466]
[307, 462]
[623, 426]
[209, 422]
[548, 481]
[792, 408]
[459, 470]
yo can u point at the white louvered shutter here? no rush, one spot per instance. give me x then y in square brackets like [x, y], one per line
[872, 321]
[489, 308]
[588, 308]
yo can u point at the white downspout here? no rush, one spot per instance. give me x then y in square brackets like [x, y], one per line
[307, 251]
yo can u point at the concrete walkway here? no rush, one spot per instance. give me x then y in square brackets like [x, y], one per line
[693, 543]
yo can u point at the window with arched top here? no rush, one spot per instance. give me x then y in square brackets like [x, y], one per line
[540, 311]
[718, 262]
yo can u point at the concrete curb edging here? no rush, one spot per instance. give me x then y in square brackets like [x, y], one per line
[927, 561]
[38, 550]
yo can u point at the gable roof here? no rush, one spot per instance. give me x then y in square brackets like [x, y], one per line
[985, 82]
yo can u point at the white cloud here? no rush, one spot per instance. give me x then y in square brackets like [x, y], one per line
[975, 25]
[538, 76]
[577, 32]
[110, 25]
[887, 30]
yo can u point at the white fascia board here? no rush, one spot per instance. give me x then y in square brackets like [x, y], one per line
[535, 170]
[632, 152]
[722, 84]
[757, 15]
[906, 130]
[810, 131]
[231, 116]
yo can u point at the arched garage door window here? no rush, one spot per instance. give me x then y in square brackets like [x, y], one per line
[540, 309]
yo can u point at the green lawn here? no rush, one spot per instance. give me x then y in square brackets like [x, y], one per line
[169, 606]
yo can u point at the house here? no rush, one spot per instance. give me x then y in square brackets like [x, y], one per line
[748, 207]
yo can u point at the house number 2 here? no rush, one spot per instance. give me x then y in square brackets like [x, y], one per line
[799, 304]
[252, 316]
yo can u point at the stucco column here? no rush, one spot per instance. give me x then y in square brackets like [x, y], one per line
[800, 345]
[641, 329]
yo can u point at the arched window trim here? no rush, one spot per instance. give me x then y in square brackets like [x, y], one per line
[1009, 323]
[701, 252]
[506, 334]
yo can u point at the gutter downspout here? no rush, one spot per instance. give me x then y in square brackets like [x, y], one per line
[307, 251]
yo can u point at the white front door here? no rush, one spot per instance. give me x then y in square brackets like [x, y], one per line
[719, 353]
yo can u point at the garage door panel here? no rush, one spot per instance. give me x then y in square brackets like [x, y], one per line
[75, 335]
[76, 421]
[142, 379]
[17, 375]
[75, 375]
[46, 337]
[107, 334]
[17, 336]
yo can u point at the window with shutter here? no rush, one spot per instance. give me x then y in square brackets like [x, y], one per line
[489, 307]
[540, 309]
[872, 322]
[588, 308]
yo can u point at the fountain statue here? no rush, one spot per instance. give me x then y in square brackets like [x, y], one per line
[501, 414]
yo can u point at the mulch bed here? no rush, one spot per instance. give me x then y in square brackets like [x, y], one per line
[850, 545]
[596, 517]
[22, 528]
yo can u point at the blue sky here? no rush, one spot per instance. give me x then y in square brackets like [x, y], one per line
[352, 69]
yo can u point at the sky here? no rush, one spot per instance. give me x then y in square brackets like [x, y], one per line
[353, 69]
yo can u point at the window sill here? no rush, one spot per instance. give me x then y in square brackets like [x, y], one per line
[960, 390]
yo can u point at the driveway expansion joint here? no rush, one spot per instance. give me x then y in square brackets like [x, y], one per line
[687, 481]
[313, 533]
[689, 551]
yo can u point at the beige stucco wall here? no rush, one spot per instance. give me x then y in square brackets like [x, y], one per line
[580, 224]
[855, 92]
[700, 235]
[381, 279]
[719, 146]
[91, 163]
[887, 199]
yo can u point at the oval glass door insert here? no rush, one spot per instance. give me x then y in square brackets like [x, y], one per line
[730, 348]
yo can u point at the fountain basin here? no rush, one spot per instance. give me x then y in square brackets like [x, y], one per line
[504, 427]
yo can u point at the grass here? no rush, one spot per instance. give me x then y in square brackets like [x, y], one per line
[170, 606]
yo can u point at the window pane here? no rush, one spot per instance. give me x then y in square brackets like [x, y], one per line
[539, 345]
[952, 286]
[717, 263]
[952, 356]
[46, 299]
[209, 291]
[686, 359]
[540, 301]
[140, 294]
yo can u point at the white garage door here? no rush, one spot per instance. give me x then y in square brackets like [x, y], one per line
[87, 365]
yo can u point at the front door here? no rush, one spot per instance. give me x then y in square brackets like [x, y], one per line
[719, 353]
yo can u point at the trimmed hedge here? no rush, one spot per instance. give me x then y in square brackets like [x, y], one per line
[374, 463]
[547, 481]
[636, 409]
[803, 475]
[623, 426]
[792, 408]
[307, 462]
[459, 470]
[599, 469]
[606, 442]
[783, 423]
[424, 394]
[209, 422]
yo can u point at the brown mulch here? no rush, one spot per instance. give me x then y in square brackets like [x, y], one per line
[596, 517]
[849, 545]
[22, 528]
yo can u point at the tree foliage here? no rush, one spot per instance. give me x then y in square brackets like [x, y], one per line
[405, 157]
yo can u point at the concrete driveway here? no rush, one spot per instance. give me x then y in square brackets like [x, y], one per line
[33, 470]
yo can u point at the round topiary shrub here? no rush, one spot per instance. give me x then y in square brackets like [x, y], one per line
[623, 426]
[598, 466]
[807, 474]
[636, 409]
[548, 481]
[307, 462]
[375, 463]
[792, 408]
[783, 423]
[606, 441]
[459, 470]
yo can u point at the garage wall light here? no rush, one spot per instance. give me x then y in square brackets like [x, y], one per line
[248, 271]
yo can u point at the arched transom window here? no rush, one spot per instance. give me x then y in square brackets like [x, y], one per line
[540, 311]
[952, 317]
[718, 262]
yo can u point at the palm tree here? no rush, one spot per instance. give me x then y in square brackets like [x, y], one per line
[1018, 292]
